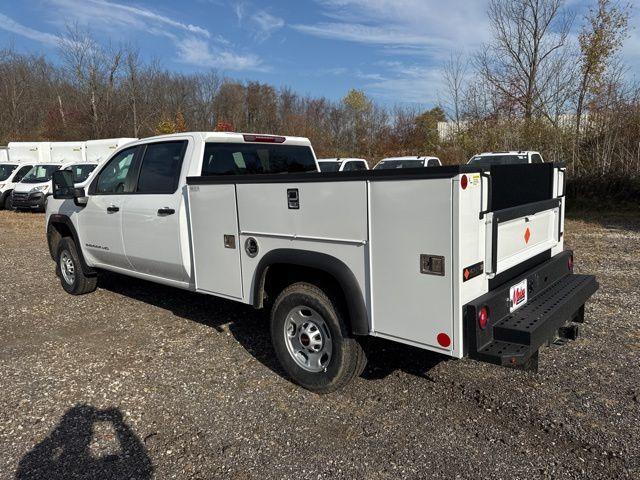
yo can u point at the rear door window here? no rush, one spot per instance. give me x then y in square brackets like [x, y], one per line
[161, 165]
[253, 158]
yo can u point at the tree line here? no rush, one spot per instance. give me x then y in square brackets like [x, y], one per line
[534, 86]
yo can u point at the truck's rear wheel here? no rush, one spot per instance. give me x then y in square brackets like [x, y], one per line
[311, 341]
[69, 269]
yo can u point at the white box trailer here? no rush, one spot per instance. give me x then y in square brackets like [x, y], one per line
[4, 156]
[67, 152]
[98, 151]
[29, 152]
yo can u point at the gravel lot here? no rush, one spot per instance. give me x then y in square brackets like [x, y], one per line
[139, 381]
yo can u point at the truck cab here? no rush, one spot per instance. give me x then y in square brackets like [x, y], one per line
[408, 162]
[342, 164]
[506, 158]
[458, 260]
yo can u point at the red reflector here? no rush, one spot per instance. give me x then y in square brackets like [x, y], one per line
[443, 340]
[570, 262]
[263, 138]
[464, 181]
[483, 317]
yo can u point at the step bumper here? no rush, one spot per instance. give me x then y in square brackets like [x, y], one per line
[512, 339]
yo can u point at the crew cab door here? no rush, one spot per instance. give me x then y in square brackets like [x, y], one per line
[100, 225]
[152, 214]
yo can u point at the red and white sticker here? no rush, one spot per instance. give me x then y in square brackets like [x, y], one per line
[518, 295]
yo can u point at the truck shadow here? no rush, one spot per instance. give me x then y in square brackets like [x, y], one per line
[250, 327]
[68, 451]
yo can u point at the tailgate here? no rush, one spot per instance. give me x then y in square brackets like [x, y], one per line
[518, 233]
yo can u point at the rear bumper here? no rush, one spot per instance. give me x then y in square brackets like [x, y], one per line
[556, 297]
[28, 200]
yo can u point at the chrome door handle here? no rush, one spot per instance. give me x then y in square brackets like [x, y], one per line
[113, 209]
[166, 211]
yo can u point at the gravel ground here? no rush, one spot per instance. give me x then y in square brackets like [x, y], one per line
[138, 381]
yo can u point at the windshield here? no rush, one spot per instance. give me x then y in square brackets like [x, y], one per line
[40, 174]
[81, 172]
[6, 170]
[488, 160]
[248, 158]
[389, 164]
[329, 166]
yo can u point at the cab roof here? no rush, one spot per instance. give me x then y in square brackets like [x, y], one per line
[234, 137]
[341, 159]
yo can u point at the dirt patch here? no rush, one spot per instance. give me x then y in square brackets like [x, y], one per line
[139, 380]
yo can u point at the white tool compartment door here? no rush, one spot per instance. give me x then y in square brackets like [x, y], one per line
[214, 230]
[516, 240]
[411, 218]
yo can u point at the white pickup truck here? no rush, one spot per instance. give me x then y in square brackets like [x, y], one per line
[457, 260]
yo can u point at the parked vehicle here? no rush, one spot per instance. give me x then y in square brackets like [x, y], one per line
[67, 152]
[407, 162]
[98, 151]
[29, 152]
[506, 158]
[10, 174]
[32, 192]
[22, 156]
[450, 259]
[4, 155]
[342, 164]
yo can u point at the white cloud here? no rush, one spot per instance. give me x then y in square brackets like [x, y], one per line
[10, 25]
[263, 23]
[379, 35]
[416, 25]
[267, 23]
[194, 44]
[197, 52]
[116, 15]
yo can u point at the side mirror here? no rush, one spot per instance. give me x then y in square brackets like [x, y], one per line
[63, 187]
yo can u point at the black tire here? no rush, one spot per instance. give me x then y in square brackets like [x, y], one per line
[347, 358]
[78, 283]
[6, 204]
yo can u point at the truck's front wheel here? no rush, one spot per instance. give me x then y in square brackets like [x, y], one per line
[311, 341]
[69, 269]
[6, 204]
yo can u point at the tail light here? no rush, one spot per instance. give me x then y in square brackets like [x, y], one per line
[483, 317]
[464, 181]
[570, 263]
[263, 138]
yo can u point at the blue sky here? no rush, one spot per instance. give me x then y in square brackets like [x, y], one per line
[392, 49]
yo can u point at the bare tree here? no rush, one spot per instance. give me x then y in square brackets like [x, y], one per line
[454, 74]
[519, 62]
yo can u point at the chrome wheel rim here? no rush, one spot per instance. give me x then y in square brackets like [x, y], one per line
[67, 268]
[308, 339]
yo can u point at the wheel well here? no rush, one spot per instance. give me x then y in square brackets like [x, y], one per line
[56, 232]
[280, 275]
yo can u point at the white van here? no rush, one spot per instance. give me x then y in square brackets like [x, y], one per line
[29, 152]
[65, 152]
[98, 151]
[32, 191]
[15, 162]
